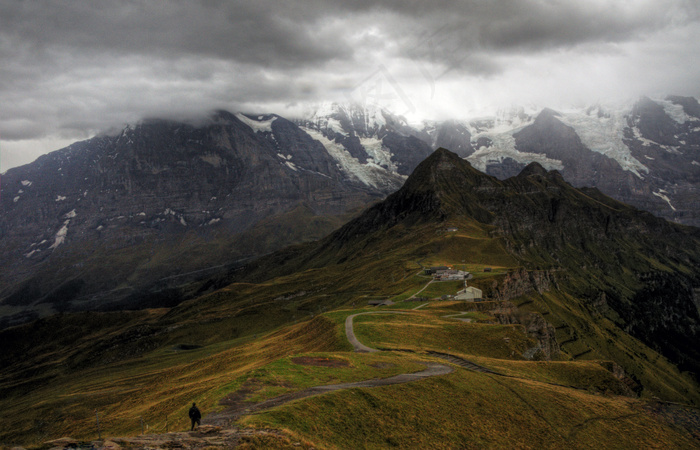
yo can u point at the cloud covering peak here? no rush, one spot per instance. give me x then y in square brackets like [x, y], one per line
[72, 68]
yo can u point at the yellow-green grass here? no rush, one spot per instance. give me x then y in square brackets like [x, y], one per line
[162, 383]
[472, 410]
[454, 306]
[479, 251]
[417, 331]
[474, 315]
[589, 375]
[286, 376]
[581, 331]
[439, 288]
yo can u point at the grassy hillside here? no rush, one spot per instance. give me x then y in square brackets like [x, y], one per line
[243, 338]
[471, 410]
[554, 326]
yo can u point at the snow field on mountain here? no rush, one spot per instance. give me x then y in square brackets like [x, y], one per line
[379, 154]
[60, 237]
[368, 174]
[661, 194]
[604, 135]
[257, 125]
[503, 146]
[676, 112]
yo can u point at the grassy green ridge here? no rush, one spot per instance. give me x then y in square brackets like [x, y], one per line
[472, 410]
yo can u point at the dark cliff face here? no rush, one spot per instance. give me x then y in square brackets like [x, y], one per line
[549, 136]
[156, 185]
[666, 148]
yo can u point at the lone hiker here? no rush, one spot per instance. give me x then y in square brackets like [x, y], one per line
[195, 415]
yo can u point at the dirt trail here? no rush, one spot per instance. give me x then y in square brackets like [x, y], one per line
[239, 408]
[350, 332]
[226, 417]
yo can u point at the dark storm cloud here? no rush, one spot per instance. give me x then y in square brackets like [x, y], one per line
[244, 31]
[455, 32]
[72, 68]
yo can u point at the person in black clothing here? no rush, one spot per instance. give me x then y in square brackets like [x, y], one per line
[195, 415]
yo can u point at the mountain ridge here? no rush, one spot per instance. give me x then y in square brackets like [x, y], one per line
[600, 308]
[601, 248]
[188, 182]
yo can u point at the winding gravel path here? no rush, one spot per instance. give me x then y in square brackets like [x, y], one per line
[228, 416]
[350, 332]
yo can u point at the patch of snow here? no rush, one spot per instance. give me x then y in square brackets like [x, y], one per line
[141, 214]
[15, 199]
[322, 118]
[488, 155]
[257, 125]
[368, 174]
[85, 194]
[648, 143]
[335, 126]
[375, 118]
[43, 242]
[695, 163]
[182, 221]
[638, 135]
[60, 198]
[20, 191]
[29, 255]
[169, 211]
[649, 157]
[26, 183]
[604, 135]
[661, 195]
[500, 132]
[380, 155]
[70, 215]
[213, 221]
[99, 228]
[60, 237]
[291, 166]
[674, 111]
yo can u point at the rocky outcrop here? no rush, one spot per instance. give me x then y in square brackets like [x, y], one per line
[535, 326]
[204, 437]
[84, 226]
[520, 282]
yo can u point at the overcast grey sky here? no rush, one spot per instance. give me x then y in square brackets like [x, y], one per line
[70, 68]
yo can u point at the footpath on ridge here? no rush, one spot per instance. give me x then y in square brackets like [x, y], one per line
[218, 430]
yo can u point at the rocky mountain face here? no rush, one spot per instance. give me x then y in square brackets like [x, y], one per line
[646, 155]
[375, 142]
[80, 227]
[163, 199]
